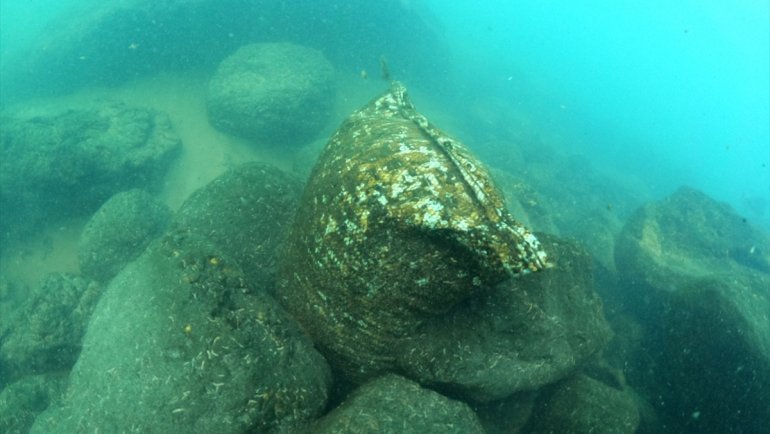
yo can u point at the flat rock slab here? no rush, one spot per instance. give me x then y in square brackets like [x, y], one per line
[177, 343]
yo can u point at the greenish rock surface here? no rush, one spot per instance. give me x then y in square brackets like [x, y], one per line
[272, 93]
[581, 404]
[23, 400]
[247, 212]
[57, 164]
[393, 404]
[398, 224]
[45, 335]
[696, 275]
[119, 231]
[178, 343]
[519, 336]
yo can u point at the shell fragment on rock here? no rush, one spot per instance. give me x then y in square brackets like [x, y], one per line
[398, 222]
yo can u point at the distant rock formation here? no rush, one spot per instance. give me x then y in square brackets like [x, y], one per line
[68, 163]
[696, 275]
[273, 94]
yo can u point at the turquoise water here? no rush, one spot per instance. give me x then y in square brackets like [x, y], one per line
[586, 112]
[674, 92]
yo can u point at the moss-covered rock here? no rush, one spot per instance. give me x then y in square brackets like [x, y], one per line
[58, 164]
[45, 335]
[247, 212]
[696, 275]
[393, 404]
[274, 94]
[179, 343]
[519, 336]
[119, 231]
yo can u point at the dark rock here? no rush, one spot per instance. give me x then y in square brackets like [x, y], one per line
[108, 43]
[581, 404]
[178, 343]
[45, 335]
[275, 94]
[23, 400]
[696, 276]
[393, 404]
[508, 415]
[69, 163]
[247, 213]
[524, 334]
[119, 231]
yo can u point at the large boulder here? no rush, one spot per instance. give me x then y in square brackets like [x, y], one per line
[247, 212]
[521, 335]
[398, 222]
[696, 275]
[277, 94]
[393, 404]
[57, 164]
[179, 343]
[404, 259]
[183, 340]
[119, 231]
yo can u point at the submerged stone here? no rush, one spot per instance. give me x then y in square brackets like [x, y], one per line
[178, 343]
[697, 276]
[58, 164]
[273, 94]
[119, 231]
[247, 212]
[393, 404]
[398, 222]
[519, 336]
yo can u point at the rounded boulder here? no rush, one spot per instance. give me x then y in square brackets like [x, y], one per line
[273, 93]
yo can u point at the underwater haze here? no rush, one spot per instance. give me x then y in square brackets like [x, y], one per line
[673, 92]
[412, 216]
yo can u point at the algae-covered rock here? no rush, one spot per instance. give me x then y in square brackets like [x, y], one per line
[45, 336]
[178, 343]
[393, 404]
[697, 276]
[276, 94]
[519, 336]
[57, 164]
[247, 212]
[22, 400]
[398, 223]
[119, 231]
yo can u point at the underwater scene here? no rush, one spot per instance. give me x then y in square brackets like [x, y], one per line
[392, 216]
